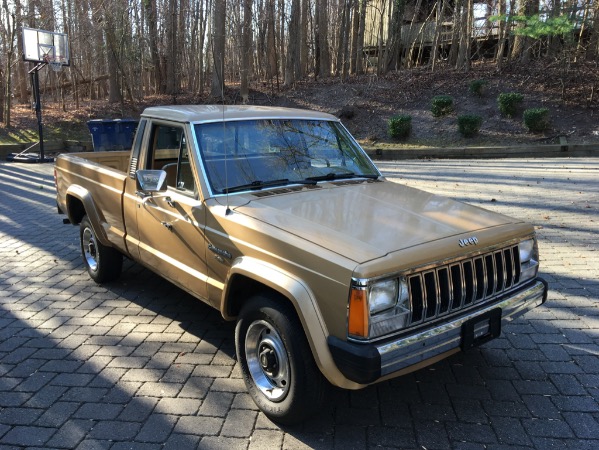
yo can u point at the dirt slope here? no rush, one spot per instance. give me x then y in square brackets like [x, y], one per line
[365, 103]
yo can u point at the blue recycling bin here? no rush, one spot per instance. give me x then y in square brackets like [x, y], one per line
[112, 134]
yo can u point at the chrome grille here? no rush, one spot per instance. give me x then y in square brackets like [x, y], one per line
[458, 285]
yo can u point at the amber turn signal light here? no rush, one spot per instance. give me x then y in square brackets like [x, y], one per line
[358, 313]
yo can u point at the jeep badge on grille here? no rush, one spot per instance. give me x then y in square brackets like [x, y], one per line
[468, 241]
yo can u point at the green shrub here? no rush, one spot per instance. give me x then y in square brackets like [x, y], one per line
[536, 119]
[400, 126]
[509, 102]
[477, 87]
[469, 124]
[441, 105]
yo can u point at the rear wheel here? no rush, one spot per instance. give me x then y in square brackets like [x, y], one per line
[276, 362]
[103, 263]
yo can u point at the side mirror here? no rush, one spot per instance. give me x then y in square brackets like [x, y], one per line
[150, 181]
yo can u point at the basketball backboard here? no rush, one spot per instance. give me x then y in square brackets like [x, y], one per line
[45, 46]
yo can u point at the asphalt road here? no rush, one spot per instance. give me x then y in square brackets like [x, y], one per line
[138, 364]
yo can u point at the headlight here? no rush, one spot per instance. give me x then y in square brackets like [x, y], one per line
[388, 308]
[526, 249]
[382, 296]
[529, 259]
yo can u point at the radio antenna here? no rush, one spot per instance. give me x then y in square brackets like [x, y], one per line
[222, 94]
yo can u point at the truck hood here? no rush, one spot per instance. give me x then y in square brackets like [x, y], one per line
[367, 219]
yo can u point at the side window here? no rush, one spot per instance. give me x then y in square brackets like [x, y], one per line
[170, 153]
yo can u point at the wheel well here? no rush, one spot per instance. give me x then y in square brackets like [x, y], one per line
[75, 209]
[242, 288]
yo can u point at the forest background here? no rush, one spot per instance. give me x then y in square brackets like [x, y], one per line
[364, 60]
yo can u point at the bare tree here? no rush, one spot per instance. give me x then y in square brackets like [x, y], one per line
[355, 27]
[323, 39]
[8, 30]
[305, 21]
[246, 48]
[170, 57]
[218, 48]
[151, 20]
[463, 61]
[393, 48]
[360, 38]
[293, 64]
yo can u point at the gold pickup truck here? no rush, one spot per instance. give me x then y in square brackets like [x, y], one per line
[277, 218]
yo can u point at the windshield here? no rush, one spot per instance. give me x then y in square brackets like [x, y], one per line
[255, 154]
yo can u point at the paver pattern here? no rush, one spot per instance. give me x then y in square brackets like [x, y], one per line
[139, 364]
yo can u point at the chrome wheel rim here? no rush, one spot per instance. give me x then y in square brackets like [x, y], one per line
[90, 249]
[267, 360]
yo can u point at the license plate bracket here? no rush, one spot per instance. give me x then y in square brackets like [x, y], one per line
[481, 329]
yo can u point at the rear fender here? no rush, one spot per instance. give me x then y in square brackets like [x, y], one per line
[84, 196]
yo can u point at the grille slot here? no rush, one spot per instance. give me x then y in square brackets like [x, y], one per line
[455, 286]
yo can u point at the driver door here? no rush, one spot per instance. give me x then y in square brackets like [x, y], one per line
[171, 224]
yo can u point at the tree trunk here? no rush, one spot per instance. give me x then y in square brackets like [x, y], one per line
[304, 39]
[340, 35]
[360, 43]
[354, 36]
[520, 41]
[218, 49]
[151, 15]
[455, 33]
[411, 39]
[271, 46]
[246, 49]
[345, 40]
[463, 62]
[438, 26]
[171, 62]
[21, 71]
[114, 89]
[9, 30]
[593, 48]
[281, 36]
[292, 66]
[501, 40]
[394, 47]
[323, 39]
[202, 55]
[380, 65]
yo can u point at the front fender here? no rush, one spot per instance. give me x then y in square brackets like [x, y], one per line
[86, 199]
[306, 307]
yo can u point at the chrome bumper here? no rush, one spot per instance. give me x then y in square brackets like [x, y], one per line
[414, 349]
[367, 363]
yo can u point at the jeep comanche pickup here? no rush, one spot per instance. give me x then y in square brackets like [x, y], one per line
[279, 219]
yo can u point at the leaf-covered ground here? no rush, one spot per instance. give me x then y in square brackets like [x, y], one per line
[365, 103]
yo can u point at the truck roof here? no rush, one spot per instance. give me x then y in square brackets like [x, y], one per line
[213, 113]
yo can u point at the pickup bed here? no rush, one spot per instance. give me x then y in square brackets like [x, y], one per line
[277, 218]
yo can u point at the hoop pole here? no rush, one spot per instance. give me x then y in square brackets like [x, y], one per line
[35, 82]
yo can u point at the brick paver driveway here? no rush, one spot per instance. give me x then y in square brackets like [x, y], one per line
[139, 364]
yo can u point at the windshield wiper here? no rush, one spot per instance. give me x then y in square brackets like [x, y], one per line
[259, 184]
[340, 176]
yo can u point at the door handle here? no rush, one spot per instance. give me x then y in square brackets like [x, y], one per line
[167, 225]
[170, 202]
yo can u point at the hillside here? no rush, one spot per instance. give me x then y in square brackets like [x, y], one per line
[366, 103]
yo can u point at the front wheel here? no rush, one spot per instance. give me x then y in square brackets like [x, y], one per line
[276, 362]
[103, 263]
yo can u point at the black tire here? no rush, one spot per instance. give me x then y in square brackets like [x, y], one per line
[102, 263]
[276, 362]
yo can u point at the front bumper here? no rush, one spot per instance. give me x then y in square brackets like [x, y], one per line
[367, 363]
